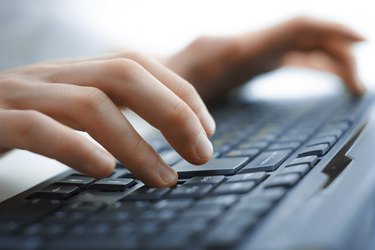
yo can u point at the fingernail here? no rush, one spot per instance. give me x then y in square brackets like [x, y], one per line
[204, 147]
[167, 174]
[209, 123]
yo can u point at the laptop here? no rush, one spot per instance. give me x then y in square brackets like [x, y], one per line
[286, 174]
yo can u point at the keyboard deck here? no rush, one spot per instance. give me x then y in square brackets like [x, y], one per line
[261, 152]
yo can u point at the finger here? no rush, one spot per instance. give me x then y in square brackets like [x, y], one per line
[341, 52]
[320, 60]
[92, 110]
[302, 26]
[38, 133]
[127, 82]
[177, 84]
[313, 60]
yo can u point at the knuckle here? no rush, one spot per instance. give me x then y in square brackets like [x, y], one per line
[179, 114]
[123, 68]
[187, 91]
[231, 49]
[136, 56]
[37, 68]
[138, 146]
[201, 41]
[302, 20]
[91, 99]
[9, 82]
[27, 122]
[301, 24]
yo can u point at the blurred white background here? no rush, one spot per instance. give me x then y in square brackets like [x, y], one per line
[42, 29]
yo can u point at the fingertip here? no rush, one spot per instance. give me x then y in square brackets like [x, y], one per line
[105, 164]
[355, 86]
[360, 89]
[203, 148]
[168, 176]
[209, 125]
[359, 38]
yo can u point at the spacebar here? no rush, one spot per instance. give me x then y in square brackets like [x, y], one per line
[222, 166]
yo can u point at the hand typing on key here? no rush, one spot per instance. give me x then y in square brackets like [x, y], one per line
[41, 105]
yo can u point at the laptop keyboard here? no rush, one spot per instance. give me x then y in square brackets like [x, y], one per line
[261, 152]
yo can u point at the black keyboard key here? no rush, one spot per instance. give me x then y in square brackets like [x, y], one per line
[187, 225]
[257, 177]
[285, 145]
[9, 226]
[310, 160]
[266, 161]
[125, 174]
[262, 137]
[113, 217]
[272, 194]
[343, 125]
[129, 206]
[242, 153]
[253, 206]
[156, 215]
[221, 201]
[177, 204]
[84, 206]
[32, 210]
[90, 230]
[189, 191]
[63, 217]
[45, 230]
[229, 232]
[113, 184]
[252, 145]
[234, 188]
[58, 192]
[137, 228]
[300, 169]
[16, 243]
[222, 166]
[202, 212]
[205, 180]
[95, 243]
[330, 140]
[283, 180]
[147, 194]
[78, 181]
[318, 150]
[337, 133]
[169, 240]
[292, 138]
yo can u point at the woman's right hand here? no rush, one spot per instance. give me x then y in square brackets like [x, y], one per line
[41, 105]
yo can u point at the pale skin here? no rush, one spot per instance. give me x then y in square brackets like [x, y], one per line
[42, 105]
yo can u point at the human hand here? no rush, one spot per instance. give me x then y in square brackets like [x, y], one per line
[41, 105]
[217, 64]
